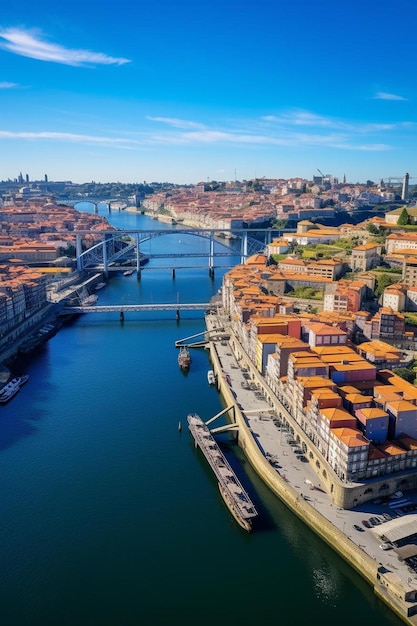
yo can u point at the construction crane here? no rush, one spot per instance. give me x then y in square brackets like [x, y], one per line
[320, 172]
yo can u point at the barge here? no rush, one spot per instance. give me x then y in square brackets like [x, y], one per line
[231, 490]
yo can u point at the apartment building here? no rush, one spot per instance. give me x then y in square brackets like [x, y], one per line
[409, 275]
[386, 323]
[395, 297]
[401, 241]
[365, 257]
[373, 422]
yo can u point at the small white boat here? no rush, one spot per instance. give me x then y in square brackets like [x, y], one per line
[184, 358]
[92, 299]
[211, 377]
[99, 286]
[10, 390]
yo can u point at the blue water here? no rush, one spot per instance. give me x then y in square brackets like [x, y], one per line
[110, 517]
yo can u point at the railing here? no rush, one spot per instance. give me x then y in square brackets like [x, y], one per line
[125, 308]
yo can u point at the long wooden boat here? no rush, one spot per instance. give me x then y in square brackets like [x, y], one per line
[231, 490]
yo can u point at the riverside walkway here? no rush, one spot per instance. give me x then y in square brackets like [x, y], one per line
[298, 485]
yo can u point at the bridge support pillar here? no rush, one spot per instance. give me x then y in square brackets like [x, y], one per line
[78, 249]
[177, 315]
[173, 272]
[138, 274]
[211, 257]
[122, 316]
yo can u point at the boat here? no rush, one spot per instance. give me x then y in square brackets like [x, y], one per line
[184, 358]
[89, 300]
[211, 377]
[231, 490]
[99, 286]
[128, 272]
[10, 390]
[8, 394]
[231, 505]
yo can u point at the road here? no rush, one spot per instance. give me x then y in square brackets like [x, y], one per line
[275, 443]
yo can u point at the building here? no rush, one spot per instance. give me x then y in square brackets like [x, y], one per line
[409, 275]
[385, 324]
[365, 257]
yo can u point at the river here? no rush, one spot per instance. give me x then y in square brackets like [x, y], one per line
[110, 517]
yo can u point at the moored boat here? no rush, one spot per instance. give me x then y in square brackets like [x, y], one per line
[10, 390]
[10, 393]
[23, 379]
[211, 377]
[232, 491]
[231, 505]
[99, 286]
[89, 300]
[184, 358]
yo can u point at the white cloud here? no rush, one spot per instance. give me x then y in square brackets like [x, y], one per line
[381, 95]
[303, 118]
[7, 85]
[175, 122]
[296, 130]
[69, 137]
[29, 43]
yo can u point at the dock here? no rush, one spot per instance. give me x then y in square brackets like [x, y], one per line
[233, 493]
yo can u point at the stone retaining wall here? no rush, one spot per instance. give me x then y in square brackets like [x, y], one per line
[386, 586]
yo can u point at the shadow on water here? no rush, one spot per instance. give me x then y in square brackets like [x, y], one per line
[14, 428]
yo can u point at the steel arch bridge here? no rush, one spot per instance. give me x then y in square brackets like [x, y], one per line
[122, 245]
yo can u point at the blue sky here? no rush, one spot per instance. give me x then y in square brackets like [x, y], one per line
[185, 91]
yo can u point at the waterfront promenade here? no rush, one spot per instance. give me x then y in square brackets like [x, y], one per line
[269, 448]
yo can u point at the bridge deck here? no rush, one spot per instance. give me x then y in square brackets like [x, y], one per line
[112, 308]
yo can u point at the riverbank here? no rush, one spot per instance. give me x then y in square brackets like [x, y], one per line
[269, 453]
[29, 334]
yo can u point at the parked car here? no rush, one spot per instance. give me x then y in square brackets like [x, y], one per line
[385, 546]
[366, 523]
[358, 528]
[375, 521]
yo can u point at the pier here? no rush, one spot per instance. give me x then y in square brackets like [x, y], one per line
[232, 492]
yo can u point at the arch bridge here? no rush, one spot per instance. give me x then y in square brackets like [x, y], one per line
[113, 203]
[122, 246]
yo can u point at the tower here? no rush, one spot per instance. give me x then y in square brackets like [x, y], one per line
[404, 190]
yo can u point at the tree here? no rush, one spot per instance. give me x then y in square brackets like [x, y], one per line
[371, 228]
[404, 218]
[382, 283]
[406, 374]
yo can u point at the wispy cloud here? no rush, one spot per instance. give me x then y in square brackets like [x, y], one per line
[295, 130]
[31, 43]
[382, 95]
[175, 122]
[7, 85]
[303, 118]
[121, 142]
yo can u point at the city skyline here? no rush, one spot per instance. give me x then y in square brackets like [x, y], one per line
[181, 93]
